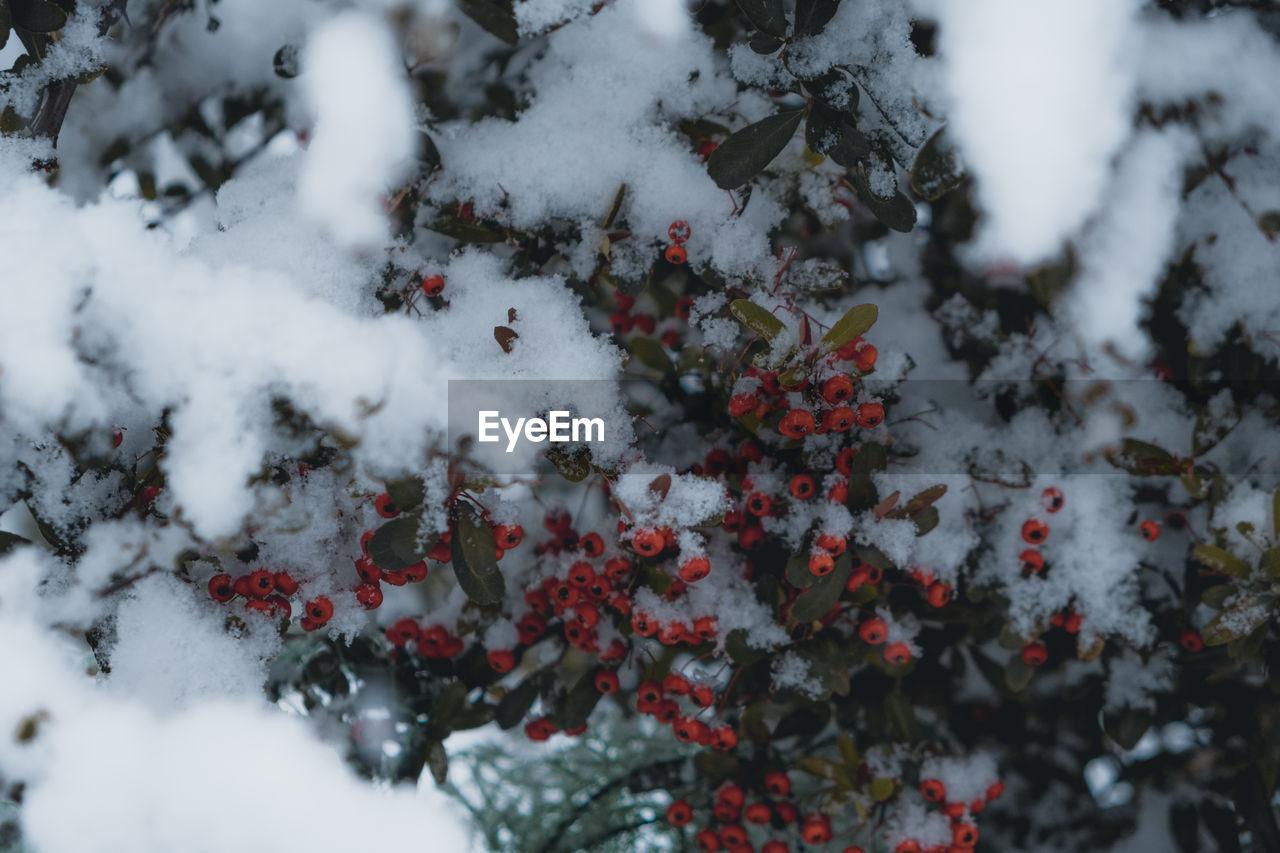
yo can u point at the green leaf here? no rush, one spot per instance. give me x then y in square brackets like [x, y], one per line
[579, 703]
[9, 541]
[37, 16]
[862, 491]
[926, 520]
[835, 89]
[848, 750]
[855, 323]
[495, 16]
[1127, 727]
[1017, 674]
[1221, 560]
[1269, 563]
[825, 591]
[816, 765]
[745, 154]
[935, 171]
[833, 132]
[1237, 620]
[513, 706]
[919, 503]
[895, 211]
[395, 547]
[5, 25]
[1146, 460]
[766, 15]
[755, 318]
[882, 789]
[813, 15]
[438, 762]
[574, 467]
[650, 353]
[901, 715]
[797, 570]
[475, 561]
[739, 652]
[407, 494]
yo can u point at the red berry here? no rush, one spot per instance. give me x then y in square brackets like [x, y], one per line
[403, 632]
[1051, 498]
[433, 285]
[1031, 560]
[741, 405]
[369, 595]
[873, 631]
[1072, 623]
[221, 588]
[750, 538]
[994, 790]
[778, 784]
[261, 583]
[1034, 654]
[645, 323]
[1034, 531]
[1191, 641]
[592, 544]
[620, 322]
[607, 681]
[933, 790]
[679, 813]
[679, 231]
[724, 738]
[368, 572]
[938, 594]
[759, 504]
[839, 419]
[837, 389]
[385, 507]
[803, 486]
[676, 254]
[702, 695]
[733, 835]
[501, 660]
[909, 845]
[816, 829]
[647, 542]
[964, 834]
[706, 840]
[831, 543]
[586, 615]
[864, 356]
[320, 609]
[538, 730]
[870, 415]
[731, 794]
[773, 845]
[508, 536]
[897, 653]
[1150, 530]
[844, 460]
[796, 423]
[285, 584]
[695, 569]
[821, 563]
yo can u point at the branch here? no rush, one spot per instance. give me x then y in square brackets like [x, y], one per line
[57, 96]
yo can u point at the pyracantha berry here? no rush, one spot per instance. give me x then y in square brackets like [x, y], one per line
[864, 356]
[647, 542]
[607, 681]
[508, 536]
[933, 790]
[675, 684]
[777, 783]
[724, 738]
[261, 583]
[257, 605]
[1031, 560]
[870, 415]
[369, 595]
[1072, 622]
[320, 610]
[839, 419]
[897, 653]
[702, 695]
[538, 730]
[733, 835]
[964, 835]
[821, 563]
[403, 632]
[222, 588]
[741, 405]
[732, 794]
[831, 543]
[645, 323]
[1150, 530]
[1034, 654]
[581, 574]
[873, 631]
[368, 572]
[679, 231]
[695, 569]
[1034, 531]
[803, 487]
[592, 544]
[501, 660]
[586, 615]
[837, 389]
[844, 460]
[938, 594]
[1191, 641]
[907, 845]
[1052, 499]
[994, 790]
[751, 538]
[385, 507]
[285, 584]
[759, 504]
[679, 813]
[676, 254]
[706, 840]
[620, 322]
[433, 285]
[395, 578]
[796, 423]
[418, 571]
[758, 813]
[774, 845]
[816, 829]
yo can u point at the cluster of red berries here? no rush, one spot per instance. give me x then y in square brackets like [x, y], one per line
[679, 233]
[268, 593]
[623, 320]
[730, 810]
[661, 701]
[826, 409]
[964, 835]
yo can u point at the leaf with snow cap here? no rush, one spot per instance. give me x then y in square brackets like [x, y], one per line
[745, 154]
[894, 210]
[756, 319]
[935, 171]
[1237, 620]
[1221, 560]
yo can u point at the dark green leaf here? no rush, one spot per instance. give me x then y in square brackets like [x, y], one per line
[745, 154]
[895, 211]
[1237, 620]
[438, 762]
[766, 15]
[475, 561]
[832, 132]
[9, 541]
[495, 16]
[407, 494]
[1221, 560]
[1017, 674]
[574, 467]
[518, 701]
[813, 15]
[797, 571]
[739, 652]
[395, 547]
[862, 491]
[935, 171]
[835, 89]
[825, 591]
[427, 151]
[37, 16]
[756, 319]
[855, 323]
[901, 715]
[5, 25]
[1269, 563]
[1127, 727]
[651, 354]
[579, 703]
[926, 520]
[764, 44]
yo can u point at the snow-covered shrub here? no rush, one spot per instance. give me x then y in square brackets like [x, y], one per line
[934, 347]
